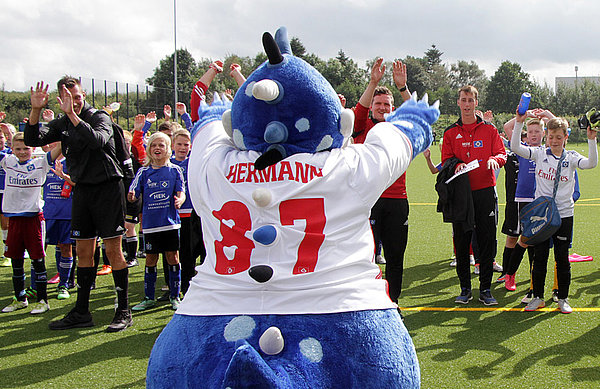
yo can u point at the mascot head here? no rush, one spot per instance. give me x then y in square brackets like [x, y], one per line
[286, 107]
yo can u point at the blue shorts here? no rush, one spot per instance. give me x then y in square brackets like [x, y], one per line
[58, 232]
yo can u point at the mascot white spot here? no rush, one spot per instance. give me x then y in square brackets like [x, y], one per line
[239, 328]
[302, 125]
[311, 349]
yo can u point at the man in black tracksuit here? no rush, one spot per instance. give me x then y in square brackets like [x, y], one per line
[87, 141]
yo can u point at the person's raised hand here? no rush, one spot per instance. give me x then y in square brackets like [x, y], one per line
[39, 95]
[180, 108]
[48, 115]
[488, 116]
[151, 116]
[378, 70]
[342, 100]
[138, 122]
[167, 111]
[399, 73]
[65, 103]
[217, 66]
[2, 115]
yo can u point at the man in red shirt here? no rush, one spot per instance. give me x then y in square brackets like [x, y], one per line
[469, 139]
[389, 216]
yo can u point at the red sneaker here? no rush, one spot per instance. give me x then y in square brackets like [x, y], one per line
[54, 280]
[106, 269]
[509, 282]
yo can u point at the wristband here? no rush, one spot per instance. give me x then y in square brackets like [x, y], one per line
[403, 88]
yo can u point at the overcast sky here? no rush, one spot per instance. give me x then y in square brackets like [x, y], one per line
[124, 40]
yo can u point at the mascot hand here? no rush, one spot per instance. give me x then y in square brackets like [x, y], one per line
[414, 118]
[210, 113]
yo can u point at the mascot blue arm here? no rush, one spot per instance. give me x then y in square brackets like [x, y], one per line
[354, 349]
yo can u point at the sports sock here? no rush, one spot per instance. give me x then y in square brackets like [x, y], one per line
[165, 268]
[64, 270]
[131, 244]
[142, 241]
[57, 256]
[150, 281]
[85, 278]
[41, 278]
[515, 259]
[18, 278]
[506, 258]
[121, 278]
[32, 277]
[175, 279]
[105, 260]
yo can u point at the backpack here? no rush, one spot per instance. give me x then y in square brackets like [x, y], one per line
[122, 154]
[540, 218]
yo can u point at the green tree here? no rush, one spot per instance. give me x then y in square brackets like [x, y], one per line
[417, 77]
[298, 48]
[432, 58]
[187, 71]
[467, 73]
[506, 86]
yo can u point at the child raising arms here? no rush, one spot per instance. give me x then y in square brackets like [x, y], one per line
[162, 186]
[546, 160]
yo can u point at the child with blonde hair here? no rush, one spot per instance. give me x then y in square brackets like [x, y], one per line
[161, 186]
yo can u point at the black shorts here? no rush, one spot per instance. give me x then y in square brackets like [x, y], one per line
[511, 226]
[159, 242]
[98, 210]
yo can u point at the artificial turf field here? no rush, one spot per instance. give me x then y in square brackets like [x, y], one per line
[469, 347]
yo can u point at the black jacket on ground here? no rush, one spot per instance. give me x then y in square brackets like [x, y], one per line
[454, 199]
[89, 147]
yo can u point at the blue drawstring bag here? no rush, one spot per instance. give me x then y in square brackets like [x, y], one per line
[540, 218]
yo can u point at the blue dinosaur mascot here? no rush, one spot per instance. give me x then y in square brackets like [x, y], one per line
[289, 295]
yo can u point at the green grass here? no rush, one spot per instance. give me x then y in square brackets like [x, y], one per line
[458, 349]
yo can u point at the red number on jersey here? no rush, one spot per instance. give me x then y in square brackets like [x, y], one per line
[235, 222]
[313, 211]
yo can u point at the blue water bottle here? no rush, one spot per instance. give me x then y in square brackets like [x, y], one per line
[524, 103]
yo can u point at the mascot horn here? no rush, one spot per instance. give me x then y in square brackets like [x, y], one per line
[289, 295]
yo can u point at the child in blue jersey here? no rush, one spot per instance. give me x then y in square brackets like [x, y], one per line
[161, 186]
[57, 212]
[192, 245]
[22, 202]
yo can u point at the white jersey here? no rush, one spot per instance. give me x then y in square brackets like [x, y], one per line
[23, 185]
[319, 205]
[546, 165]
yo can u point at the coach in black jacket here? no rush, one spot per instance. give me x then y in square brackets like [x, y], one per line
[98, 208]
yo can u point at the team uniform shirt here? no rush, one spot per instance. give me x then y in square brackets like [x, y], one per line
[362, 126]
[3, 153]
[186, 207]
[477, 141]
[56, 206]
[318, 204]
[546, 164]
[23, 184]
[158, 188]
[525, 192]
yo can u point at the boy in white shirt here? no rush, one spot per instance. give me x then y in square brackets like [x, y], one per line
[22, 202]
[546, 161]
